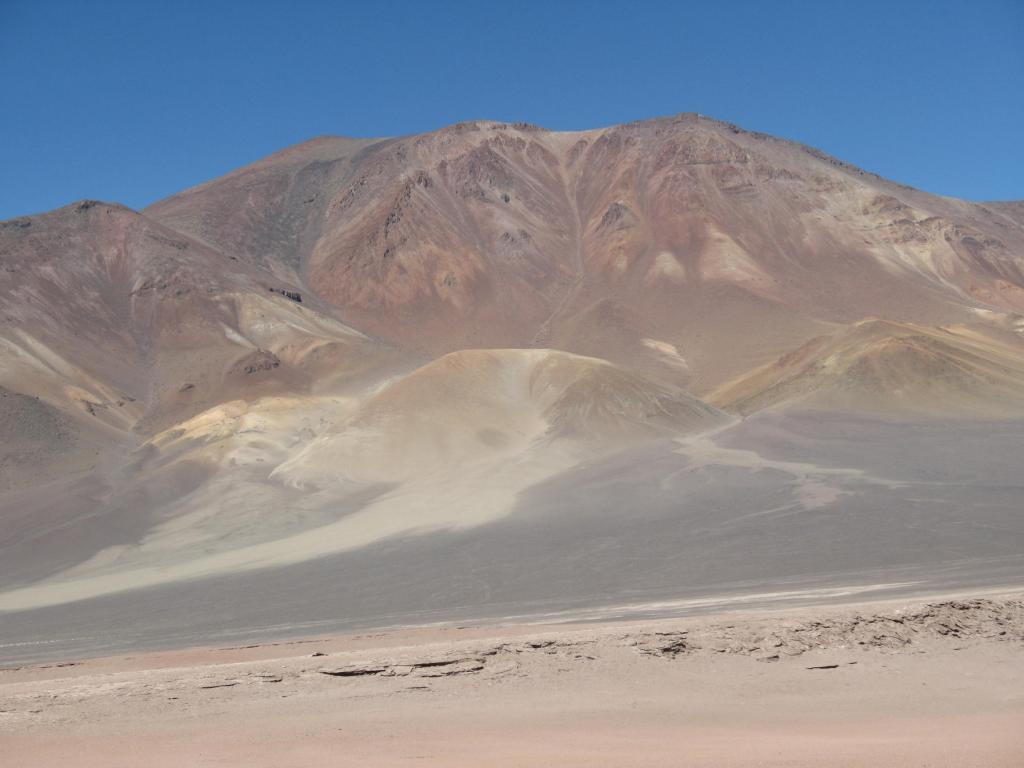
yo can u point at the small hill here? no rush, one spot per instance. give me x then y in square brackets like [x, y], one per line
[882, 366]
[478, 404]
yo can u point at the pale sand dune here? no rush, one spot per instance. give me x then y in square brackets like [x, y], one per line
[868, 686]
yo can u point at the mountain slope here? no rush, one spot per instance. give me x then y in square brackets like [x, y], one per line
[702, 234]
[117, 319]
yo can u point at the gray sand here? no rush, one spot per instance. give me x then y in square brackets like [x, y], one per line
[653, 528]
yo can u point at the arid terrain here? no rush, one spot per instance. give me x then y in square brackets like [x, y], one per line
[496, 376]
[871, 685]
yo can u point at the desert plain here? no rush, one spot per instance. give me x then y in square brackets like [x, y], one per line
[877, 684]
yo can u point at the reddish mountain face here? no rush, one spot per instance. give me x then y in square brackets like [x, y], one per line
[686, 247]
[121, 321]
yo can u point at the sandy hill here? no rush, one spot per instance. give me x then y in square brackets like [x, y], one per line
[881, 366]
[478, 405]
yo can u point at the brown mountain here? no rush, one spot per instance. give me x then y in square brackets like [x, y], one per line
[645, 243]
[357, 343]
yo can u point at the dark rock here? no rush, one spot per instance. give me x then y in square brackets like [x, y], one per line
[540, 643]
[448, 668]
[293, 295]
[352, 671]
[178, 245]
[261, 360]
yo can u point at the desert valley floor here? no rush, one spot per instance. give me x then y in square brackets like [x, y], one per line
[870, 685]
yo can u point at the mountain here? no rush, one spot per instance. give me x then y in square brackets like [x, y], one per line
[657, 244]
[619, 346]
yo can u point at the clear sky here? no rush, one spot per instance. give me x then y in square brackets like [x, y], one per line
[132, 101]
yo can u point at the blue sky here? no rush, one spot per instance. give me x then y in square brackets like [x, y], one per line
[134, 101]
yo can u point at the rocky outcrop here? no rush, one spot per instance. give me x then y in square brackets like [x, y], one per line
[293, 295]
[954, 620]
[422, 668]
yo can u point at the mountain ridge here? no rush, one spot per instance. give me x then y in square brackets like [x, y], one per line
[411, 283]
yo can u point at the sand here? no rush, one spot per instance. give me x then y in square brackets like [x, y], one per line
[782, 502]
[883, 684]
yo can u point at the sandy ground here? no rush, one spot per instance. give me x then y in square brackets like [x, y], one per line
[781, 502]
[881, 684]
